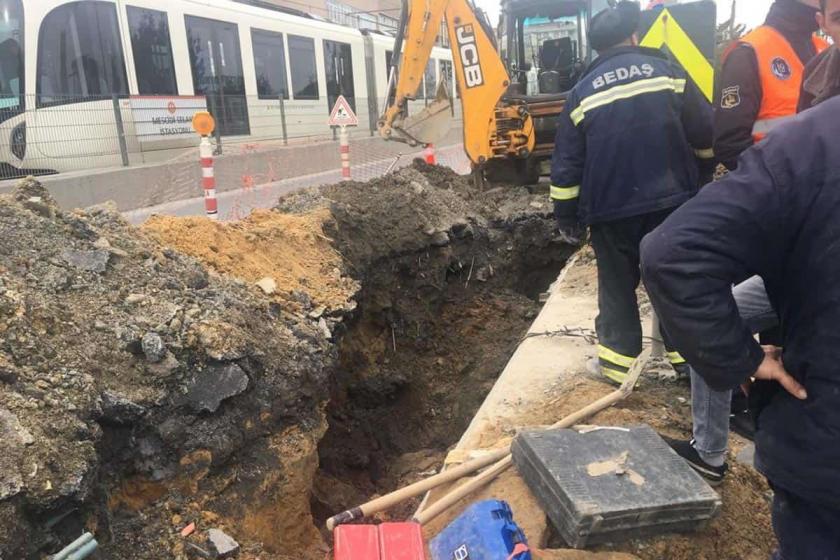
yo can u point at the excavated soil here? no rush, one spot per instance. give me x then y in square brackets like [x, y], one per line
[225, 375]
[291, 251]
[259, 376]
[138, 392]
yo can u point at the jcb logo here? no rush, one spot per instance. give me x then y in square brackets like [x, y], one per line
[461, 553]
[465, 36]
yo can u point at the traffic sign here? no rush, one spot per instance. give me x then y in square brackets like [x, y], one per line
[688, 32]
[203, 123]
[342, 114]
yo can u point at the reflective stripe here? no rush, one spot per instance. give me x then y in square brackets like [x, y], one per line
[564, 193]
[675, 358]
[766, 125]
[626, 91]
[614, 375]
[708, 153]
[614, 357]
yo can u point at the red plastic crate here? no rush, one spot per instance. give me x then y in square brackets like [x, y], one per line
[388, 541]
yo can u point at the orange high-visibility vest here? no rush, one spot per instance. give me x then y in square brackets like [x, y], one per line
[781, 73]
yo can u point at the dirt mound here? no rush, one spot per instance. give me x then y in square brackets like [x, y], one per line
[416, 208]
[142, 389]
[290, 250]
[130, 377]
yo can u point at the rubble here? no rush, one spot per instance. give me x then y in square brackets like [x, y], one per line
[91, 261]
[221, 544]
[213, 385]
[98, 351]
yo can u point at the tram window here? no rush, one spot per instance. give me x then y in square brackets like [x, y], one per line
[431, 78]
[270, 64]
[389, 58]
[11, 57]
[216, 61]
[302, 65]
[152, 51]
[79, 54]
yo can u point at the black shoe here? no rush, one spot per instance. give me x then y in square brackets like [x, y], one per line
[685, 449]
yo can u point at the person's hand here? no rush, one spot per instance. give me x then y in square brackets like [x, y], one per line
[571, 234]
[772, 369]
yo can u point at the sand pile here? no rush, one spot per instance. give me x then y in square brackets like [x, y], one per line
[289, 255]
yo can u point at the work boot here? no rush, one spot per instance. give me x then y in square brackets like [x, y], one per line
[685, 449]
[614, 376]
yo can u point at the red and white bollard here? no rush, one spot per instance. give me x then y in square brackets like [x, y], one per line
[429, 154]
[344, 149]
[208, 178]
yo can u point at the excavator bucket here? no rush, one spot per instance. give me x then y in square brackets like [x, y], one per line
[429, 125]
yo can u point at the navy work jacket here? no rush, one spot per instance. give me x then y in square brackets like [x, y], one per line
[777, 216]
[628, 138]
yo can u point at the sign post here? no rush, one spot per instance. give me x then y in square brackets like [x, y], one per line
[203, 123]
[342, 115]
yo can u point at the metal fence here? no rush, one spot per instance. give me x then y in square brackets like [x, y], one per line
[59, 135]
[142, 153]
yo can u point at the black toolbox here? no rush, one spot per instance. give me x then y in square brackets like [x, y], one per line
[612, 484]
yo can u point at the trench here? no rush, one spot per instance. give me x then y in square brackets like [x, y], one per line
[431, 336]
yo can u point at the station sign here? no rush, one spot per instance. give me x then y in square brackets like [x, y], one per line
[159, 118]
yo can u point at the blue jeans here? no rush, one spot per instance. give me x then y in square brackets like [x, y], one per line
[709, 408]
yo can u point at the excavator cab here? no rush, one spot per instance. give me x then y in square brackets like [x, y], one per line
[545, 49]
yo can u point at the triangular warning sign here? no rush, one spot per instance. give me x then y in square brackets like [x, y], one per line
[342, 114]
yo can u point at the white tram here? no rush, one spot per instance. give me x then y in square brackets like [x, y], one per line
[75, 75]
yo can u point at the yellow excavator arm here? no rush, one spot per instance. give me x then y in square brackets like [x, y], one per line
[492, 128]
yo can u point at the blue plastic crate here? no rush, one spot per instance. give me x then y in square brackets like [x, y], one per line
[485, 531]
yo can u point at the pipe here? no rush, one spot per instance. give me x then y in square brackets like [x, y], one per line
[86, 543]
[84, 552]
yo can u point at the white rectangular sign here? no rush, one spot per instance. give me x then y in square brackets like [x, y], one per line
[165, 117]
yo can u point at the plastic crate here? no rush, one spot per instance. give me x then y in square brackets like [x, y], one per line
[652, 491]
[388, 541]
[485, 531]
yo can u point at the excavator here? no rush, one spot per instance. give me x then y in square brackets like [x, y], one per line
[512, 89]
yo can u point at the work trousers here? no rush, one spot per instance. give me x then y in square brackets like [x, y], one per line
[619, 328]
[709, 408]
[805, 530]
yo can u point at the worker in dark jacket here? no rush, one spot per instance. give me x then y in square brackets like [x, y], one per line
[777, 216]
[761, 77]
[761, 80]
[625, 156]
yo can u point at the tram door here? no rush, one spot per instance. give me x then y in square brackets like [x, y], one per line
[217, 72]
[338, 65]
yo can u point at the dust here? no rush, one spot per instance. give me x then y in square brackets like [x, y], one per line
[291, 250]
[617, 466]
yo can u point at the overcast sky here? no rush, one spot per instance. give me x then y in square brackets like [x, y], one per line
[751, 12]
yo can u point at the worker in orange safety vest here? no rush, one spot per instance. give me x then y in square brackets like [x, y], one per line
[762, 76]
